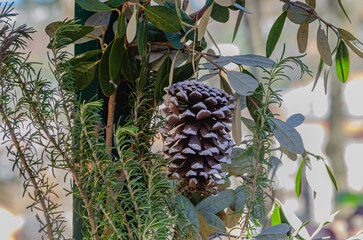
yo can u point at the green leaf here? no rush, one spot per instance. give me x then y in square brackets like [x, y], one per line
[161, 79]
[108, 87]
[222, 61]
[236, 123]
[323, 46]
[342, 7]
[253, 60]
[213, 221]
[84, 56]
[311, 3]
[216, 203]
[303, 36]
[183, 72]
[238, 23]
[51, 28]
[296, 14]
[116, 3]
[225, 3]
[342, 62]
[355, 44]
[175, 39]
[276, 232]
[298, 180]
[240, 200]
[130, 66]
[287, 136]
[240, 162]
[332, 177]
[275, 217]
[242, 83]
[188, 209]
[320, 68]
[219, 13]
[73, 36]
[115, 59]
[121, 26]
[142, 38]
[295, 120]
[163, 18]
[275, 33]
[83, 74]
[93, 5]
[203, 23]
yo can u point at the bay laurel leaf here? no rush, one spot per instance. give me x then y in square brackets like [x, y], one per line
[303, 36]
[163, 18]
[225, 3]
[323, 47]
[275, 33]
[353, 43]
[132, 27]
[93, 5]
[202, 27]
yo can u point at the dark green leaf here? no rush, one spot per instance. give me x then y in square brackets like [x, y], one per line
[121, 26]
[298, 180]
[183, 72]
[116, 3]
[154, 34]
[295, 120]
[275, 33]
[93, 5]
[242, 83]
[287, 136]
[129, 66]
[116, 58]
[84, 56]
[83, 74]
[355, 44]
[72, 36]
[163, 18]
[108, 87]
[342, 7]
[332, 177]
[162, 79]
[342, 62]
[213, 221]
[188, 209]
[142, 37]
[216, 203]
[240, 200]
[275, 218]
[175, 39]
[219, 13]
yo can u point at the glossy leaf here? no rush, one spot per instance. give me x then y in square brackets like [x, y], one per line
[276, 217]
[342, 7]
[188, 209]
[242, 83]
[219, 13]
[108, 87]
[183, 72]
[142, 38]
[116, 3]
[275, 232]
[253, 60]
[131, 28]
[295, 120]
[161, 79]
[83, 74]
[332, 177]
[93, 5]
[129, 66]
[215, 203]
[163, 18]
[240, 200]
[275, 33]
[288, 137]
[323, 47]
[121, 26]
[115, 60]
[303, 36]
[84, 56]
[342, 62]
[236, 123]
[203, 23]
[213, 221]
[298, 180]
[175, 39]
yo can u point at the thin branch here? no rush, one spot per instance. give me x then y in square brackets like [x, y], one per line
[110, 121]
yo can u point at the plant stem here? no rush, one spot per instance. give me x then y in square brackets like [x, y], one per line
[110, 120]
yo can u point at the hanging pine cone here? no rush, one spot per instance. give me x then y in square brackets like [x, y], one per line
[198, 140]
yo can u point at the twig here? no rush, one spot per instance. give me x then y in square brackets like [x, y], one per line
[110, 120]
[197, 15]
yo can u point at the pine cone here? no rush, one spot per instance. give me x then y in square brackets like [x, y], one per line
[198, 140]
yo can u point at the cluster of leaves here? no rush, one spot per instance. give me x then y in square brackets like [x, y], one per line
[119, 180]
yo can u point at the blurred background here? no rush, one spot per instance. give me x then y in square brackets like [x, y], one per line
[333, 126]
